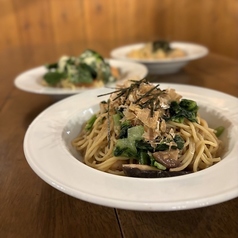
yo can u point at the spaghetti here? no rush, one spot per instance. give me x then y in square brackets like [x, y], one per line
[141, 124]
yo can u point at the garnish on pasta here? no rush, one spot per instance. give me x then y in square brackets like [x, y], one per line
[160, 49]
[144, 131]
[87, 70]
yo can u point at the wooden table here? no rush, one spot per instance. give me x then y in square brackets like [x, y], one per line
[29, 207]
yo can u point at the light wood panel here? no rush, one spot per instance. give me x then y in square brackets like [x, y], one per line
[50, 28]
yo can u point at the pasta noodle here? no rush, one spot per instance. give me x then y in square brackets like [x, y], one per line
[188, 143]
[156, 50]
[201, 147]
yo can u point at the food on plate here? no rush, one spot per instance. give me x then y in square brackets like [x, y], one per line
[87, 70]
[144, 131]
[156, 50]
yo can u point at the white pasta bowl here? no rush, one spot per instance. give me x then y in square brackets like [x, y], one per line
[48, 150]
[163, 66]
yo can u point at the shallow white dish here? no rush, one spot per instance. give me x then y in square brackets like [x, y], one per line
[30, 80]
[163, 66]
[48, 150]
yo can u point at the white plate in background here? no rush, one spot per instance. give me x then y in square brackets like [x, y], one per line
[30, 80]
[163, 66]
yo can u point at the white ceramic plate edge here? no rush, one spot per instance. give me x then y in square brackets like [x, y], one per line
[197, 52]
[108, 200]
[29, 80]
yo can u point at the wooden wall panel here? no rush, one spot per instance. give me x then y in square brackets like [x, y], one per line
[8, 26]
[67, 24]
[99, 24]
[46, 29]
[33, 28]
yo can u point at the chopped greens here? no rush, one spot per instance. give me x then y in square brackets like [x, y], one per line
[84, 74]
[144, 158]
[161, 44]
[135, 133]
[124, 129]
[219, 130]
[84, 69]
[52, 66]
[53, 78]
[139, 120]
[97, 63]
[130, 141]
[132, 145]
[179, 142]
[162, 145]
[184, 109]
[126, 146]
[90, 122]
[116, 120]
[158, 165]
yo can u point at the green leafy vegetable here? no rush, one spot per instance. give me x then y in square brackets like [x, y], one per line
[144, 146]
[85, 68]
[135, 133]
[156, 164]
[127, 146]
[188, 105]
[144, 158]
[52, 66]
[124, 127]
[83, 74]
[90, 55]
[90, 122]
[179, 141]
[98, 64]
[162, 146]
[219, 130]
[116, 119]
[161, 44]
[184, 109]
[52, 78]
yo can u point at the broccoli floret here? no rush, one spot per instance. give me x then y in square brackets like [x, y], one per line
[84, 74]
[54, 77]
[97, 63]
[85, 68]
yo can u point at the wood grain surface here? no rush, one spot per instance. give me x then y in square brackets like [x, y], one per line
[31, 208]
[70, 26]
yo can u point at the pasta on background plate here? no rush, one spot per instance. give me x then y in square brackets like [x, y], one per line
[144, 131]
[88, 70]
[157, 50]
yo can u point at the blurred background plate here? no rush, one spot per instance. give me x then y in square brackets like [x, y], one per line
[30, 80]
[163, 66]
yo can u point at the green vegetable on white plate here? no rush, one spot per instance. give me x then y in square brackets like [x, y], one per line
[84, 69]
